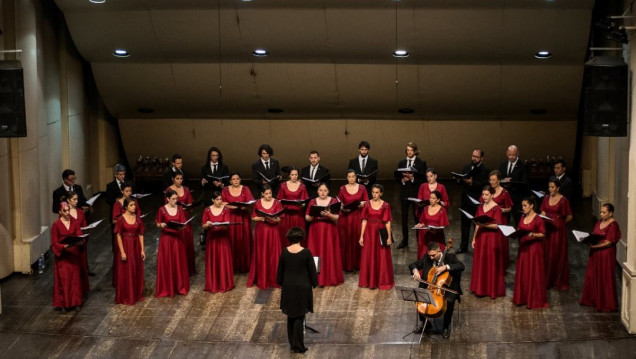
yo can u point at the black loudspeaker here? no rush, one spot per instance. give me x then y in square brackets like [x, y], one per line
[605, 97]
[12, 117]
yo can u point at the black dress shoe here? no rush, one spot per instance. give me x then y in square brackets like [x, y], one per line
[446, 333]
[403, 244]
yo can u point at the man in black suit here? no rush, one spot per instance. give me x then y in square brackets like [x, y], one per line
[314, 174]
[177, 165]
[516, 180]
[365, 165]
[473, 183]
[113, 189]
[410, 182]
[265, 170]
[68, 184]
[214, 175]
[450, 264]
[567, 186]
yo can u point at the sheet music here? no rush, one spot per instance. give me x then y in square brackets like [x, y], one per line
[506, 230]
[92, 225]
[538, 194]
[579, 235]
[93, 199]
[468, 215]
[474, 201]
[140, 195]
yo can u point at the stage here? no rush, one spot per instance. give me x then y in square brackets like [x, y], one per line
[353, 322]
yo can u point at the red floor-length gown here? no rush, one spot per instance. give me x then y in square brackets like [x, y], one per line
[599, 287]
[266, 249]
[67, 281]
[557, 262]
[530, 288]
[439, 219]
[376, 265]
[81, 219]
[130, 274]
[488, 273]
[324, 242]
[240, 234]
[187, 231]
[294, 214]
[503, 200]
[172, 261]
[118, 211]
[219, 269]
[350, 227]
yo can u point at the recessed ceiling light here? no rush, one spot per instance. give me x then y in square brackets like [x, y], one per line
[260, 52]
[543, 54]
[121, 53]
[97, 1]
[406, 110]
[274, 110]
[400, 53]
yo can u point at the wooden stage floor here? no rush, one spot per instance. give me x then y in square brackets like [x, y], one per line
[353, 322]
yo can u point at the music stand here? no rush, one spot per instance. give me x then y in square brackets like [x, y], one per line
[409, 294]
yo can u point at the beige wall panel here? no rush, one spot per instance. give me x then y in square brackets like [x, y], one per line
[30, 197]
[6, 238]
[444, 144]
[76, 91]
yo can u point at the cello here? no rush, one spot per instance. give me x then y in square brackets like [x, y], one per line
[435, 282]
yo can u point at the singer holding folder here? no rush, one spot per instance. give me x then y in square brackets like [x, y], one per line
[172, 261]
[376, 265]
[117, 211]
[433, 215]
[184, 199]
[240, 234]
[349, 222]
[78, 215]
[324, 241]
[504, 201]
[488, 274]
[557, 262]
[214, 175]
[266, 170]
[266, 246]
[219, 270]
[67, 282]
[599, 287]
[130, 256]
[292, 190]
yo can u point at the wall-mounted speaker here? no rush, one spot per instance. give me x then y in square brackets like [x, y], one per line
[12, 116]
[605, 97]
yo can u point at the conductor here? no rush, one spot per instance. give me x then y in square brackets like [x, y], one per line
[455, 268]
[297, 276]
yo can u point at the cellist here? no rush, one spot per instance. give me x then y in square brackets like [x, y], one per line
[455, 268]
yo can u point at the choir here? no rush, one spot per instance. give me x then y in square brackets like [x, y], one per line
[347, 232]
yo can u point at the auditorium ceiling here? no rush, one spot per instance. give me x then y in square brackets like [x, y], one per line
[333, 58]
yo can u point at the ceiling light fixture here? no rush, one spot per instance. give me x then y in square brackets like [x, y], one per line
[121, 53]
[260, 52]
[543, 54]
[400, 53]
[97, 1]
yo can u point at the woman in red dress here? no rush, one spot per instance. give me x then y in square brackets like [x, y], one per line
[184, 199]
[599, 287]
[488, 274]
[530, 285]
[130, 256]
[555, 247]
[349, 222]
[266, 246]
[219, 270]
[240, 234]
[433, 215]
[118, 211]
[172, 262]
[376, 265]
[431, 185]
[292, 190]
[324, 241]
[504, 201]
[78, 215]
[67, 282]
